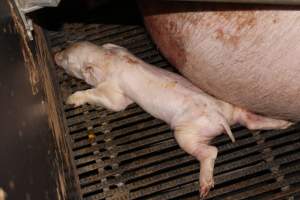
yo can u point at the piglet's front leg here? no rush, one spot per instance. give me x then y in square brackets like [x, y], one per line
[107, 95]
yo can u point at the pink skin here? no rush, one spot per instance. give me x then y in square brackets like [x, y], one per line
[247, 55]
[120, 79]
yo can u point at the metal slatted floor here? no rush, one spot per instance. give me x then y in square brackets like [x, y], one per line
[131, 155]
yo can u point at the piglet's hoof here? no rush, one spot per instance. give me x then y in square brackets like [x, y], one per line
[206, 183]
[76, 99]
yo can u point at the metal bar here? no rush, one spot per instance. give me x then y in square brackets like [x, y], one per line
[32, 166]
[276, 2]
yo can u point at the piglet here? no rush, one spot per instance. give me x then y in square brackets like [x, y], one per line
[119, 79]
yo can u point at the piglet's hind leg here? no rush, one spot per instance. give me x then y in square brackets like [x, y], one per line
[255, 122]
[189, 141]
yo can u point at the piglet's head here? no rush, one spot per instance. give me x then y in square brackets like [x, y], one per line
[81, 60]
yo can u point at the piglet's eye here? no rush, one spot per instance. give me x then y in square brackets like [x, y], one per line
[89, 68]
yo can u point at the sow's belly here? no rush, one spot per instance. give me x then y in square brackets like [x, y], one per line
[247, 55]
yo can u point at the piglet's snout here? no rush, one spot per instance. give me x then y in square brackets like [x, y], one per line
[58, 57]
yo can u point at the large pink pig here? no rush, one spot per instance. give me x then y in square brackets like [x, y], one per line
[247, 55]
[119, 78]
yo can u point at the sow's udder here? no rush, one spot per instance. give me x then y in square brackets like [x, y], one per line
[246, 55]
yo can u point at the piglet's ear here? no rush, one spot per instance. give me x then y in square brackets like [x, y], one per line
[112, 46]
[90, 73]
